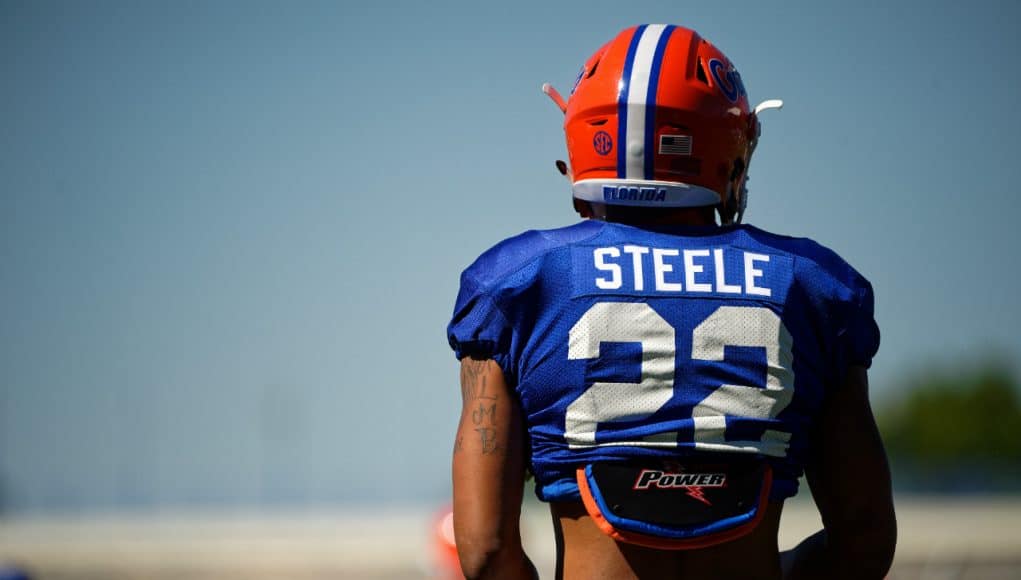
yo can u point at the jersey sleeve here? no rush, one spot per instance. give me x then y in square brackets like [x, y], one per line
[478, 327]
[859, 337]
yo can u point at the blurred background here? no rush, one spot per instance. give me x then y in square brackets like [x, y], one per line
[231, 234]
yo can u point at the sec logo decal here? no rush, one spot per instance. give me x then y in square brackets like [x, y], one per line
[603, 143]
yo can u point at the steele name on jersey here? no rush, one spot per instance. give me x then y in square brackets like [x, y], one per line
[676, 270]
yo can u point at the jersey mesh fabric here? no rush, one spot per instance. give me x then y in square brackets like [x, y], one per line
[603, 330]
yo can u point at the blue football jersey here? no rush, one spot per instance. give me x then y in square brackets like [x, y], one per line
[624, 342]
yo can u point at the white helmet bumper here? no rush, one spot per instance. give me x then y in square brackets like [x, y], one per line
[644, 193]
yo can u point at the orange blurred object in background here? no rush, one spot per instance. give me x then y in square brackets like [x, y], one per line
[444, 551]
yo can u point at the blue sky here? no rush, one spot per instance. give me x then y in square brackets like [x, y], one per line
[231, 232]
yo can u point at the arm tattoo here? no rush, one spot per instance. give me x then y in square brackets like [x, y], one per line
[487, 437]
[475, 387]
[482, 413]
[459, 444]
[475, 380]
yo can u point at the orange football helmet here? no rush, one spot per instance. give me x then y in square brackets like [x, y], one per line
[659, 117]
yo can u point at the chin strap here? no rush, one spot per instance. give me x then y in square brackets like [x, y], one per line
[729, 211]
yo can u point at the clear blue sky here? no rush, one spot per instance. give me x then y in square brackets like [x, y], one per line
[231, 232]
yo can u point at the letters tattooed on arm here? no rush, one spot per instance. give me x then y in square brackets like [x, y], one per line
[487, 437]
[482, 405]
[484, 414]
[474, 380]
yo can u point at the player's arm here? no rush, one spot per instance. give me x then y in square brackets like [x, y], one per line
[489, 475]
[850, 482]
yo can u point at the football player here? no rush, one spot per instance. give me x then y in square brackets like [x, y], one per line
[666, 377]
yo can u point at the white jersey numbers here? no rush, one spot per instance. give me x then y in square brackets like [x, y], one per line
[628, 322]
[744, 326]
[606, 402]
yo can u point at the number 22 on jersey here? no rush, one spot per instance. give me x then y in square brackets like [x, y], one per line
[633, 322]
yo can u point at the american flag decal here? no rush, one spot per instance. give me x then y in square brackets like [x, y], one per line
[675, 144]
